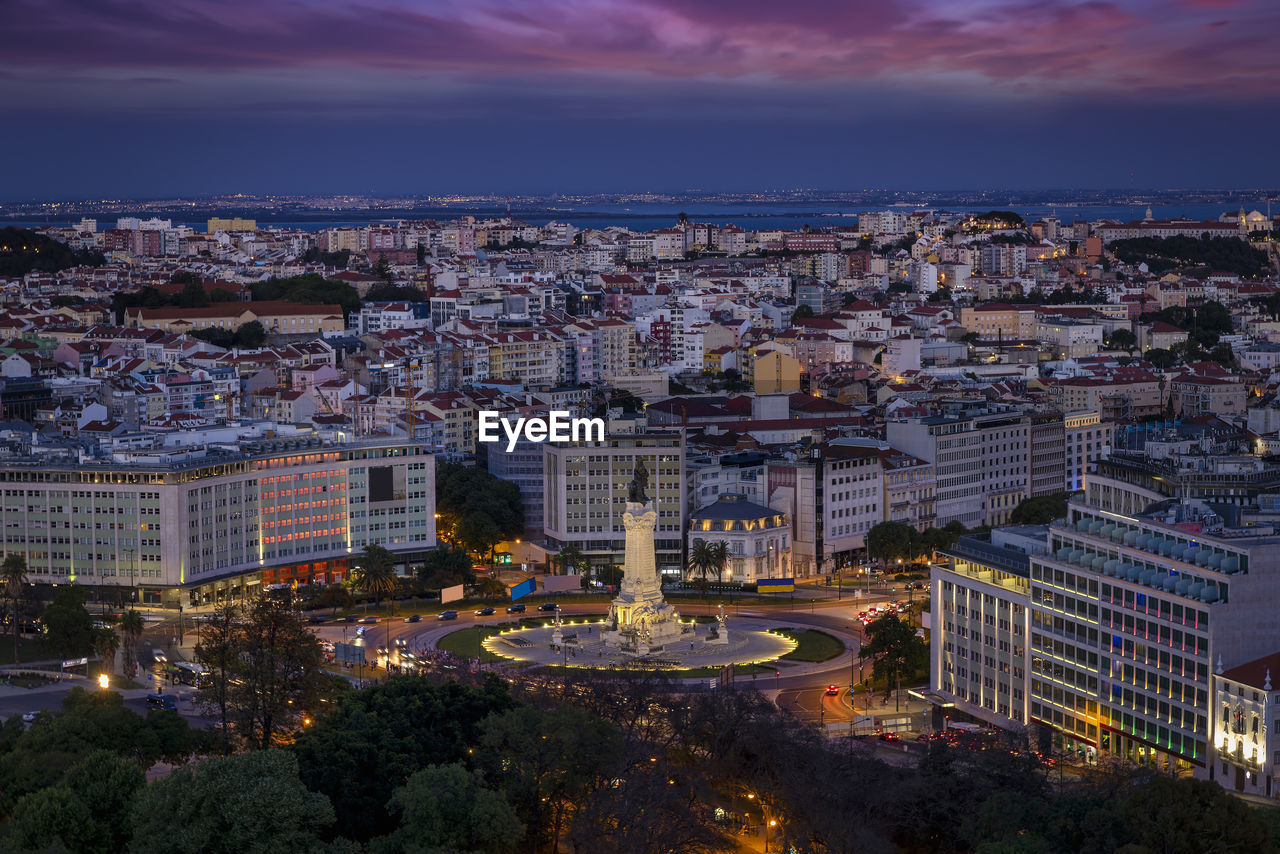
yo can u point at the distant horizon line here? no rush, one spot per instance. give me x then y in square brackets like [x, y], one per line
[813, 194]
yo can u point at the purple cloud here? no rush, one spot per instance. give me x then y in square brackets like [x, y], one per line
[1055, 47]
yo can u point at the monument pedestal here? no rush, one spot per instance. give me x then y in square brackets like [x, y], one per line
[640, 620]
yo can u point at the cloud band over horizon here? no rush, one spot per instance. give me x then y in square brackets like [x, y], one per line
[644, 79]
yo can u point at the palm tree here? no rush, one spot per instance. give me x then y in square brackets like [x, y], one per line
[375, 572]
[106, 642]
[707, 558]
[131, 625]
[13, 573]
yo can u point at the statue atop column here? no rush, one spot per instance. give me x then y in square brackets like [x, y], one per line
[639, 482]
[640, 620]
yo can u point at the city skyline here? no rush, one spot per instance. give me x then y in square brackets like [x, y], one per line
[645, 95]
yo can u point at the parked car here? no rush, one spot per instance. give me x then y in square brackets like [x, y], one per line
[413, 618]
[485, 612]
[548, 606]
[448, 615]
[516, 609]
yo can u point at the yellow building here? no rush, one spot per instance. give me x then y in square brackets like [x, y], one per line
[775, 372]
[276, 316]
[217, 223]
[993, 319]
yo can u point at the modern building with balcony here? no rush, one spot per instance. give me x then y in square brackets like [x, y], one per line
[1129, 616]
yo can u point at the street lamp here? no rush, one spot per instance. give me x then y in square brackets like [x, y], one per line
[104, 681]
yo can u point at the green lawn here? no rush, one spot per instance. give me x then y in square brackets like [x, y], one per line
[812, 645]
[464, 642]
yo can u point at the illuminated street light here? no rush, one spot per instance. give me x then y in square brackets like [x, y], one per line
[104, 681]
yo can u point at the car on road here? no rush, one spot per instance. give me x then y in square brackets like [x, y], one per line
[29, 717]
[361, 631]
[350, 618]
[891, 737]
[516, 609]
[382, 650]
[448, 615]
[485, 612]
[413, 618]
[548, 606]
[159, 701]
[833, 691]
[370, 620]
[317, 619]
[159, 656]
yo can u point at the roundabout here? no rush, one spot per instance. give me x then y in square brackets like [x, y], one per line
[586, 643]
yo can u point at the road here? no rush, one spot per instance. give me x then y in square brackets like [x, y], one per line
[803, 693]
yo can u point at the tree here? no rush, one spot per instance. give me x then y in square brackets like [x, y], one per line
[446, 810]
[248, 804]
[250, 335]
[215, 335]
[13, 572]
[383, 271]
[488, 587]
[1040, 510]
[569, 558]
[87, 812]
[274, 670]
[375, 571]
[707, 558]
[802, 311]
[217, 654]
[888, 541]
[131, 627]
[895, 647]
[68, 625]
[1122, 339]
[311, 288]
[477, 510]
[479, 533]
[193, 295]
[547, 764]
[106, 643]
[383, 735]
[89, 721]
[654, 806]
[445, 567]
[333, 596]
[1160, 358]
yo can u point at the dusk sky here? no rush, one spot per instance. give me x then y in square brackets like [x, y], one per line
[159, 97]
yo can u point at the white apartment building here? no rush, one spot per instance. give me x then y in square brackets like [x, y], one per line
[1087, 438]
[981, 461]
[585, 492]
